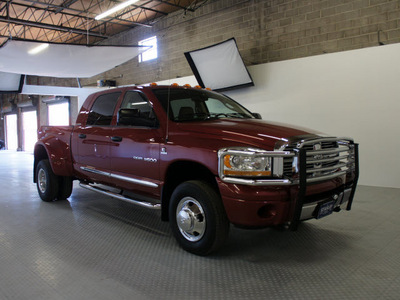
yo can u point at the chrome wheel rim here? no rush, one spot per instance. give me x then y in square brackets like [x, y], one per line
[42, 181]
[190, 219]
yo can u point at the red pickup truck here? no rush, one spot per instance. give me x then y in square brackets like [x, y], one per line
[201, 158]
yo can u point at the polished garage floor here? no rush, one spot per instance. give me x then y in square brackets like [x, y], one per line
[94, 247]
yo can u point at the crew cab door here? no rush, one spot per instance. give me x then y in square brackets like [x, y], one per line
[94, 138]
[135, 152]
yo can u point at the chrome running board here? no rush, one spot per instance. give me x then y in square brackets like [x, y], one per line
[120, 197]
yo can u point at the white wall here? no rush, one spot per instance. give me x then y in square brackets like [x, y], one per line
[353, 93]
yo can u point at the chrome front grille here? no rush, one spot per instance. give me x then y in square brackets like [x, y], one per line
[326, 158]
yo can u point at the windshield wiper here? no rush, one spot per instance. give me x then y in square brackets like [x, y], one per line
[227, 115]
[238, 115]
[230, 115]
[192, 117]
[202, 116]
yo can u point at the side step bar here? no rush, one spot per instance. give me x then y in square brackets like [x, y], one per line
[120, 197]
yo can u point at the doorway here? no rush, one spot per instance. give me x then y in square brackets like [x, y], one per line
[58, 114]
[11, 132]
[29, 127]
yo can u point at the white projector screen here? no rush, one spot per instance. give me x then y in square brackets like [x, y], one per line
[219, 67]
[11, 83]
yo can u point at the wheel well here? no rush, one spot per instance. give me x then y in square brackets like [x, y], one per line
[182, 171]
[40, 153]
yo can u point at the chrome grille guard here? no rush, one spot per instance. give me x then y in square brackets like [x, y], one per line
[305, 160]
[325, 159]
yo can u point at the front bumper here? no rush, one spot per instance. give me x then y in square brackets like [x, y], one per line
[340, 201]
[271, 206]
[268, 205]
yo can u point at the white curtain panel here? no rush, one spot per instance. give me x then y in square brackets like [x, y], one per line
[64, 60]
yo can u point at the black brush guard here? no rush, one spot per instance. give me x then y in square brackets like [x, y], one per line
[302, 154]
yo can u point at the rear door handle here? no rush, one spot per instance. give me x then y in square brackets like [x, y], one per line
[82, 136]
[116, 139]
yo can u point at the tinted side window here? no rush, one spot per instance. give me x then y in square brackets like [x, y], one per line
[136, 111]
[199, 105]
[103, 109]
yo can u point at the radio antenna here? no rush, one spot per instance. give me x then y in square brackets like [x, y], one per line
[168, 102]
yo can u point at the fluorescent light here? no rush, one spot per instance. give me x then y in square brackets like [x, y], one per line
[115, 9]
[38, 49]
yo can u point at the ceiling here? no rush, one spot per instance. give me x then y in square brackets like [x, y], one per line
[73, 21]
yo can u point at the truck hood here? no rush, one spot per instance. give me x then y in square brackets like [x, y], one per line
[253, 132]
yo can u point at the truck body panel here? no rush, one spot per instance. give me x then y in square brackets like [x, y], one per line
[148, 141]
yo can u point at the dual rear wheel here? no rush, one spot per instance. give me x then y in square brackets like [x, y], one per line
[50, 186]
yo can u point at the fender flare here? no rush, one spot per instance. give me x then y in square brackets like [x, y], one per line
[57, 152]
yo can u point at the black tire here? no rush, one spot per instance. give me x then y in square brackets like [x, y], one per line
[64, 187]
[197, 218]
[46, 181]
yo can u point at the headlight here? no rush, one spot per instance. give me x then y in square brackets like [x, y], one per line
[250, 162]
[246, 165]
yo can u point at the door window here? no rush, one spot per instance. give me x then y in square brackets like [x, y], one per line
[103, 110]
[136, 111]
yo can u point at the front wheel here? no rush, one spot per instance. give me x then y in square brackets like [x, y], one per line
[197, 217]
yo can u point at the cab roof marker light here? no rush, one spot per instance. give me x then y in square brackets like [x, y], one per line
[174, 84]
[153, 84]
[187, 85]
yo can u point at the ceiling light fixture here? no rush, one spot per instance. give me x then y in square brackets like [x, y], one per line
[115, 9]
[38, 49]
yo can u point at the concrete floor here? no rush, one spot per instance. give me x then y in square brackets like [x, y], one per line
[95, 247]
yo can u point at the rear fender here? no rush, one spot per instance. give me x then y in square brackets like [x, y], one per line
[57, 152]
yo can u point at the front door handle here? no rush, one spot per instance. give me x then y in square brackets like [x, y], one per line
[116, 139]
[82, 136]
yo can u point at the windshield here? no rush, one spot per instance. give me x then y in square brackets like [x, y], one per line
[188, 105]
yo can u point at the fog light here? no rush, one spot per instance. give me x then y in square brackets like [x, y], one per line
[267, 211]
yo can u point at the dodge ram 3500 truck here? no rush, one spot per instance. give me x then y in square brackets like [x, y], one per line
[201, 158]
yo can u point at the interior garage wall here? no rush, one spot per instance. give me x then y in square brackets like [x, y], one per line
[350, 94]
[353, 93]
[302, 58]
[265, 31]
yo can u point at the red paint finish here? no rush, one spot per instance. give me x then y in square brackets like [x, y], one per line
[137, 156]
[139, 159]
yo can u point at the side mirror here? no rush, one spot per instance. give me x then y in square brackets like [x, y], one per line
[257, 116]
